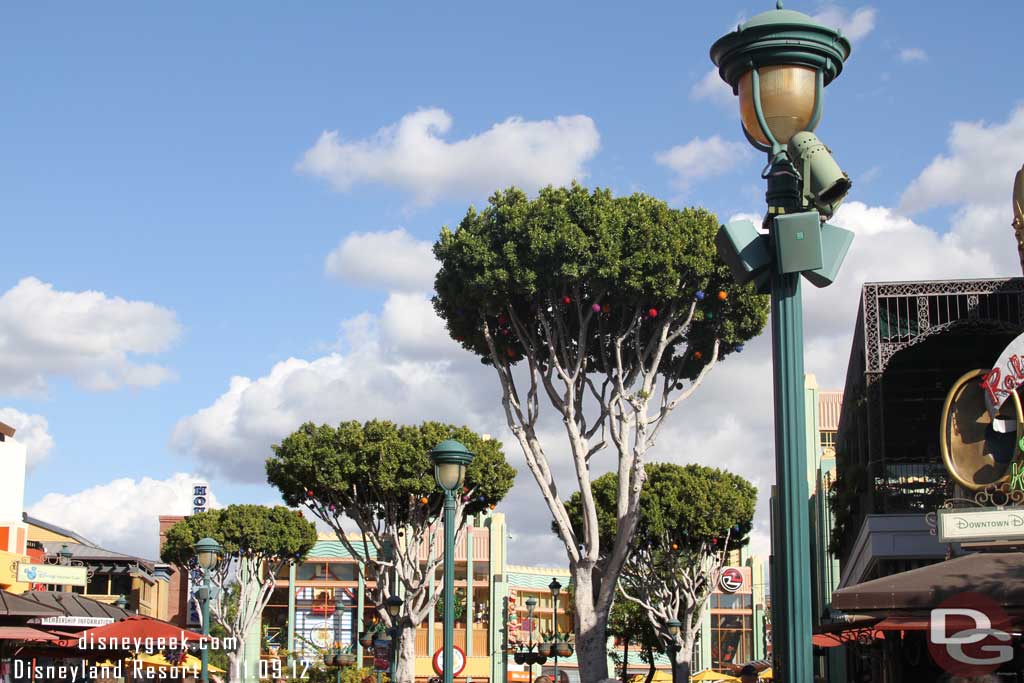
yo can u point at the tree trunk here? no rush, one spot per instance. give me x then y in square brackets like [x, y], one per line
[236, 664]
[650, 666]
[625, 660]
[405, 664]
[591, 629]
[683, 657]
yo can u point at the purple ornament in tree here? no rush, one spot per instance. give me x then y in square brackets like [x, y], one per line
[596, 308]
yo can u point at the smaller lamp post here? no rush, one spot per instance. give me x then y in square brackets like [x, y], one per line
[531, 604]
[450, 460]
[394, 607]
[560, 649]
[672, 628]
[64, 554]
[121, 602]
[208, 552]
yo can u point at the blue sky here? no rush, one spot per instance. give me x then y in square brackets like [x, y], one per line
[151, 152]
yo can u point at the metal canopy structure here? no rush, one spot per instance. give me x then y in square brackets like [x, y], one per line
[12, 605]
[912, 340]
[996, 575]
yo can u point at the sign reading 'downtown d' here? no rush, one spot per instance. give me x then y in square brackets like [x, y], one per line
[53, 574]
[981, 524]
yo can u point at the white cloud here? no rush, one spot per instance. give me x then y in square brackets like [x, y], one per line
[701, 158]
[88, 337]
[854, 25]
[122, 514]
[399, 365]
[412, 155]
[32, 431]
[392, 261]
[978, 168]
[913, 54]
[713, 89]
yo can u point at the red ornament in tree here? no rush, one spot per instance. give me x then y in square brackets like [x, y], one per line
[566, 300]
[424, 500]
[698, 355]
[606, 308]
[511, 353]
[653, 312]
[502, 320]
[309, 494]
[675, 546]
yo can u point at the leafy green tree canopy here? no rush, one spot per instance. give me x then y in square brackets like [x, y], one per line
[594, 265]
[684, 505]
[251, 530]
[382, 470]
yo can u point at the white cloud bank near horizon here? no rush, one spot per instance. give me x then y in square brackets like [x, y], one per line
[122, 515]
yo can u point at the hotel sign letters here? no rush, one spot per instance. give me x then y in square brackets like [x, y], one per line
[1005, 376]
[982, 524]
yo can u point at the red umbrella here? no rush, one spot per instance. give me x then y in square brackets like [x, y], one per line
[137, 632]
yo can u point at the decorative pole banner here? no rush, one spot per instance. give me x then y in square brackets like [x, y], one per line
[1004, 377]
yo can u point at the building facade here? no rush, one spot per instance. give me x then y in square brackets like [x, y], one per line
[913, 341]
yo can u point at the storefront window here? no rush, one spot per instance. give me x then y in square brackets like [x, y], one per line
[732, 601]
[99, 584]
[732, 639]
[121, 585]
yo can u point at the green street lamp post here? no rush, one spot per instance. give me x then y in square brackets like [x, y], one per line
[779, 63]
[208, 552]
[450, 459]
[531, 604]
[394, 607]
[672, 628]
[555, 587]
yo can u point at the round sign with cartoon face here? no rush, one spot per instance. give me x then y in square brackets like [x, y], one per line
[731, 580]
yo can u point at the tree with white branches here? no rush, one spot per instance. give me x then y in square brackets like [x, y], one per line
[378, 477]
[691, 516]
[614, 310]
[257, 542]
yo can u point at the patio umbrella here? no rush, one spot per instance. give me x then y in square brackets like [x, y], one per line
[709, 675]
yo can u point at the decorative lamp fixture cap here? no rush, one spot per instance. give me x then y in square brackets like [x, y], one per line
[555, 587]
[207, 545]
[780, 36]
[451, 451]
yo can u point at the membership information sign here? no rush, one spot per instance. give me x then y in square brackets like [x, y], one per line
[980, 524]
